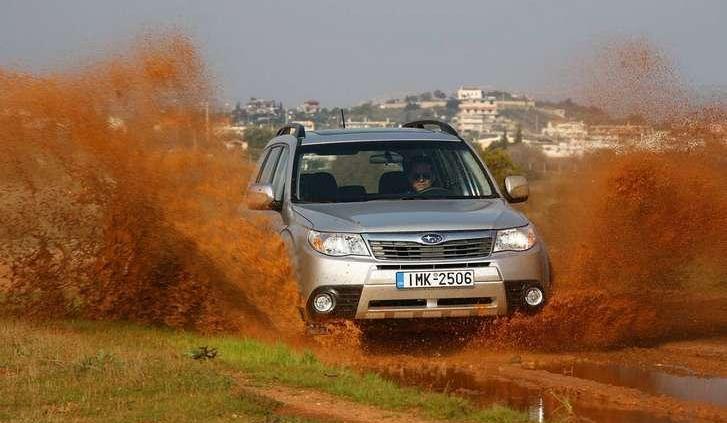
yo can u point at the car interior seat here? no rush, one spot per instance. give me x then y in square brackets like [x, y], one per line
[351, 192]
[393, 183]
[318, 187]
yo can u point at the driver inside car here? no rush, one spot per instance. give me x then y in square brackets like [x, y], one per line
[420, 174]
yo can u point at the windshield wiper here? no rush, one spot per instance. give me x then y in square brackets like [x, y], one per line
[418, 197]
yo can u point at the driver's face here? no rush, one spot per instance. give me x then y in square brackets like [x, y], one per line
[420, 176]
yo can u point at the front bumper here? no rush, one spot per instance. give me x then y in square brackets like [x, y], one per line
[380, 298]
[497, 279]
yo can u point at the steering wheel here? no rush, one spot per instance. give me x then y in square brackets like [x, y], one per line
[434, 191]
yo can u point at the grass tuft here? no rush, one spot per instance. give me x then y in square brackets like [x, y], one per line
[202, 353]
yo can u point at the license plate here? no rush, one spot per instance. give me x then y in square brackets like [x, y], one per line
[440, 279]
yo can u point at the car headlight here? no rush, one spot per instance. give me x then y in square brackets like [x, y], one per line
[337, 244]
[515, 239]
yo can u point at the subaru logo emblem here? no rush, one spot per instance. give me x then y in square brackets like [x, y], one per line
[432, 238]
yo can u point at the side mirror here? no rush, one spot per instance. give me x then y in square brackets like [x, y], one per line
[260, 197]
[516, 188]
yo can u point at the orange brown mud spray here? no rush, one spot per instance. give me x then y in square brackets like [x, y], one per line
[117, 203]
[639, 239]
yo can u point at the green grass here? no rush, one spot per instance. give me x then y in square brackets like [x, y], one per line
[111, 373]
[282, 365]
[99, 371]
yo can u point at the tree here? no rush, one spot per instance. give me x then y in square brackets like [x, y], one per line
[425, 96]
[411, 106]
[411, 112]
[503, 139]
[257, 136]
[518, 134]
[440, 94]
[452, 106]
[500, 163]
[238, 115]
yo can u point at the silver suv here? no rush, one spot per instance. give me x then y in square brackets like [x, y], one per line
[399, 223]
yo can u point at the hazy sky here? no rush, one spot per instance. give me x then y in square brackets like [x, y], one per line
[342, 52]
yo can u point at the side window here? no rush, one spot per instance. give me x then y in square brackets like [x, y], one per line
[261, 164]
[271, 160]
[280, 176]
[477, 178]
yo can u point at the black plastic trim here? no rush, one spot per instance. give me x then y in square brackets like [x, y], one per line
[436, 266]
[443, 126]
[295, 129]
[514, 291]
[346, 296]
[463, 301]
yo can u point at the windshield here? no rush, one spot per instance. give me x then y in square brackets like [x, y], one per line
[364, 171]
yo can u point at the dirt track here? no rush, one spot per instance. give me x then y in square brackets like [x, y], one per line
[311, 404]
[519, 379]
[667, 381]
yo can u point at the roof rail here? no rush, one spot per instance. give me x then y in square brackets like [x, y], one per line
[295, 129]
[444, 127]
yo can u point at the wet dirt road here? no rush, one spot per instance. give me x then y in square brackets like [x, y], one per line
[674, 382]
[670, 381]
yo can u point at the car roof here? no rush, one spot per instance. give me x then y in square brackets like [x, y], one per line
[374, 134]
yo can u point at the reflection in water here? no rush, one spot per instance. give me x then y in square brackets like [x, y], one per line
[536, 412]
[540, 405]
[690, 388]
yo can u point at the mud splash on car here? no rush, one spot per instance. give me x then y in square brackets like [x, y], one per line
[119, 203]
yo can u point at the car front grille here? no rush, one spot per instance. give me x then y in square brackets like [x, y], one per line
[409, 250]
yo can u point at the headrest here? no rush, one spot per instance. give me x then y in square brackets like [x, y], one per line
[351, 192]
[393, 183]
[319, 186]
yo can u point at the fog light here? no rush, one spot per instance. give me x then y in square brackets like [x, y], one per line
[533, 296]
[324, 302]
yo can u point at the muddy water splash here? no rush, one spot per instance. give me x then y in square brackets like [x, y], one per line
[118, 203]
[638, 239]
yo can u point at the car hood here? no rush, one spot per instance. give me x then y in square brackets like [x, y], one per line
[411, 215]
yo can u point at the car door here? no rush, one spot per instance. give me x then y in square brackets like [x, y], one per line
[273, 172]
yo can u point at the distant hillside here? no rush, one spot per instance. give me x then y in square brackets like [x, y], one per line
[591, 115]
[531, 120]
[574, 111]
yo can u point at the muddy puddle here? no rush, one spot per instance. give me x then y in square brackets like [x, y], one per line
[684, 386]
[540, 404]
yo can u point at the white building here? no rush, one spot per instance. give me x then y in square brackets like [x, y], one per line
[470, 93]
[560, 113]
[566, 130]
[393, 104]
[485, 140]
[563, 149]
[432, 104]
[516, 104]
[477, 115]
[366, 123]
[310, 107]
